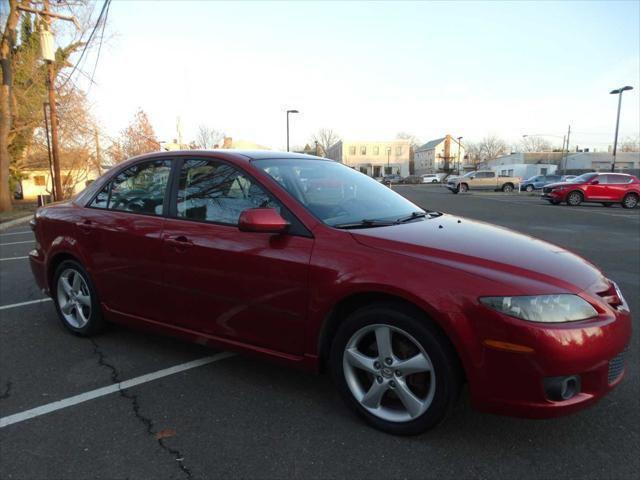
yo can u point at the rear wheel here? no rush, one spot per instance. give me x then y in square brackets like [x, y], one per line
[434, 181]
[395, 370]
[630, 200]
[574, 199]
[529, 188]
[76, 299]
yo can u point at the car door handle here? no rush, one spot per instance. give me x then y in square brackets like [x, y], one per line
[180, 242]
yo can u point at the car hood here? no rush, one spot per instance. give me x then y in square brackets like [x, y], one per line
[486, 250]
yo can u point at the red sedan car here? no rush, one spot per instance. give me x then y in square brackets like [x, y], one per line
[307, 262]
[605, 188]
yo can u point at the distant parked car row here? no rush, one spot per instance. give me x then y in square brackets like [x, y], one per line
[413, 179]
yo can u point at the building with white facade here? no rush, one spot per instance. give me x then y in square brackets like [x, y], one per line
[444, 154]
[374, 158]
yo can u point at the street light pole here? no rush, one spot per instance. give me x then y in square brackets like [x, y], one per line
[459, 138]
[288, 112]
[388, 160]
[618, 92]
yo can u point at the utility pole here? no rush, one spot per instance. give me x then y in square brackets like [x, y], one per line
[563, 157]
[46, 129]
[98, 152]
[49, 57]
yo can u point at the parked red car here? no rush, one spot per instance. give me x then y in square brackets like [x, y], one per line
[307, 262]
[605, 188]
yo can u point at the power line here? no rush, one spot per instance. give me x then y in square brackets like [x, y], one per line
[86, 45]
[95, 67]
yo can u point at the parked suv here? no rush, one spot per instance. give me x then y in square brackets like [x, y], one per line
[482, 180]
[605, 188]
[432, 178]
[393, 178]
[539, 181]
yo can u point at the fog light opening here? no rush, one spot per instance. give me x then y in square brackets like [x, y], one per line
[562, 388]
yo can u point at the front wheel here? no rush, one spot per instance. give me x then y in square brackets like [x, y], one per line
[463, 188]
[508, 188]
[630, 201]
[529, 188]
[395, 369]
[76, 299]
[574, 199]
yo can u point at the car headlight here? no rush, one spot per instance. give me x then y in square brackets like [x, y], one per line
[543, 308]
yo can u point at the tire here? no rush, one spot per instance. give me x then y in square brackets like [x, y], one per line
[72, 286]
[574, 198]
[529, 188]
[507, 188]
[463, 187]
[630, 200]
[430, 395]
[434, 181]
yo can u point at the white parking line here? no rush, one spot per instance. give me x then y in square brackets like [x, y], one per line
[101, 392]
[16, 243]
[15, 233]
[22, 304]
[13, 258]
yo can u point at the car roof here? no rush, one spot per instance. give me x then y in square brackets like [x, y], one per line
[241, 155]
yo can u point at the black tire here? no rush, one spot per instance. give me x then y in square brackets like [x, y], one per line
[95, 320]
[529, 188]
[446, 367]
[574, 198]
[463, 187]
[434, 181]
[507, 188]
[630, 200]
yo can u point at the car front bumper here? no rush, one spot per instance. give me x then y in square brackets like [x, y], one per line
[509, 382]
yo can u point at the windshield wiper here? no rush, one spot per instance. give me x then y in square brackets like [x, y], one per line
[365, 223]
[413, 216]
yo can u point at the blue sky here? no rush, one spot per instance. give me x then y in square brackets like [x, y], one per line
[371, 69]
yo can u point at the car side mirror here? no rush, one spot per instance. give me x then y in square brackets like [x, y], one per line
[595, 182]
[262, 220]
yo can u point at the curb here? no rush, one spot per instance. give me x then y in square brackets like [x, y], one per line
[14, 222]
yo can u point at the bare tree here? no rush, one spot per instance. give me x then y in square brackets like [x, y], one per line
[474, 151]
[326, 137]
[532, 143]
[492, 147]
[413, 140]
[207, 138]
[630, 144]
[138, 138]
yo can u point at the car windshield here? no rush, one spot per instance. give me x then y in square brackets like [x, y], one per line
[585, 177]
[339, 195]
[470, 174]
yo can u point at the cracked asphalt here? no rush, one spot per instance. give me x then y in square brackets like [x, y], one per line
[244, 418]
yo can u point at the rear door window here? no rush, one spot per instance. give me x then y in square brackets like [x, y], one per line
[617, 179]
[138, 189]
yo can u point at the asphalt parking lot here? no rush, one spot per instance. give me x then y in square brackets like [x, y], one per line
[238, 417]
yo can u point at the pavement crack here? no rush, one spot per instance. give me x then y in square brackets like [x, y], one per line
[135, 405]
[7, 391]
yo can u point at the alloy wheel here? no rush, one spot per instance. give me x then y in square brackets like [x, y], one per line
[463, 188]
[574, 199]
[529, 188]
[630, 201]
[389, 373]
[74, 298]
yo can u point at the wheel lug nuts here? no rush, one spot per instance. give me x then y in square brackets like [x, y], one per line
[398, 373]
[388, 361]
[379, 379]
[392, 384]
[376, 365]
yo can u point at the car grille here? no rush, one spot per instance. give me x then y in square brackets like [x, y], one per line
[616, 366]
[547, 189]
